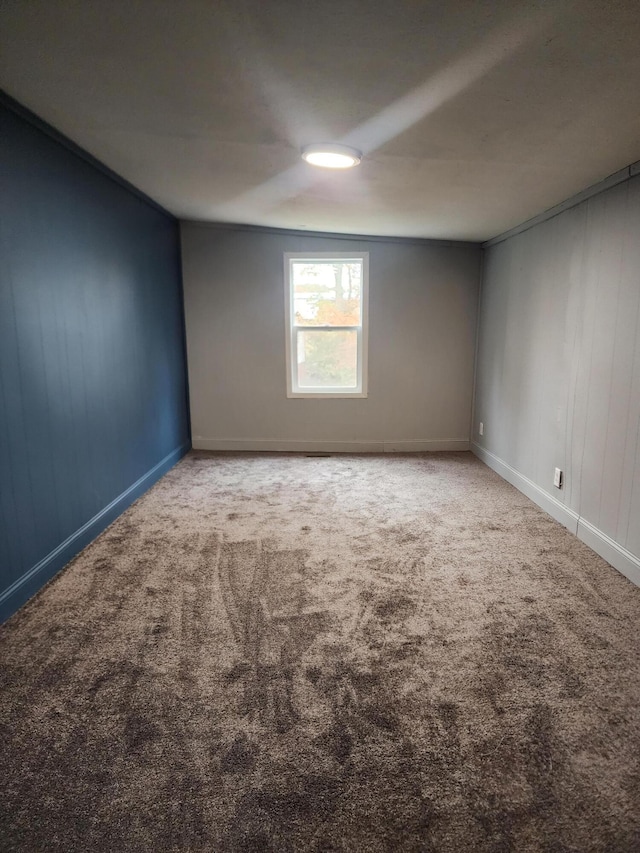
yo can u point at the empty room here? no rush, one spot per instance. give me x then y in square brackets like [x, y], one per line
[319, 426]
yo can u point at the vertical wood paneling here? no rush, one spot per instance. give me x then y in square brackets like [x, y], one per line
[525, 357]
[604, 265]
[566, 357]
[92, 375]
[628, 529]
[623, 296]
[587, 318]
[490, 381]
[574, 239]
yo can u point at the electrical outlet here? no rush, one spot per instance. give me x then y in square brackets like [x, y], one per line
[557, 479]
[481, 428]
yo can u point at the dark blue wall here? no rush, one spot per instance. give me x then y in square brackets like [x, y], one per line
[93, 402]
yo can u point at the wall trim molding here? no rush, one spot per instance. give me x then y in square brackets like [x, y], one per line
[555, 508]
[613, 180]
[621, 559]
[321, 446]
[617, 556]
[34, 579]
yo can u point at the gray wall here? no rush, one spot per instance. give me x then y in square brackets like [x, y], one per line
[422, 311]
[558, 372]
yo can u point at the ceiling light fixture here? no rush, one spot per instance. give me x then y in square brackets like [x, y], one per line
[330, 155]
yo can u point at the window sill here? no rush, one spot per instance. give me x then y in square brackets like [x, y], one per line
[328, 395]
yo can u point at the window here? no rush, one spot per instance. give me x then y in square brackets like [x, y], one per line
[326, 314]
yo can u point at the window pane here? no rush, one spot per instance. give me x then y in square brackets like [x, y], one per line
[327, 359]
[327, 293]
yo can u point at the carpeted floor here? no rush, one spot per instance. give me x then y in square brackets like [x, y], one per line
[285, 653]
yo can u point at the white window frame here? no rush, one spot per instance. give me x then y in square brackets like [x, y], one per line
[293, 390]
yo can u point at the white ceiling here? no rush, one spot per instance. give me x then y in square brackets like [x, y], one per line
[474, 115]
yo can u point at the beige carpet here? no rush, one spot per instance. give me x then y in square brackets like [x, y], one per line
[283, 653]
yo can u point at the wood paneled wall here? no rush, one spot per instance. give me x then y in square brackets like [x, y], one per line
[558, 373]
[92, 372]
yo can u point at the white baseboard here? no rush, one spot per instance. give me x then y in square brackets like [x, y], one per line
[545, 501]
[617, 556]
[621, 559]
[286, 445]
[421, 446]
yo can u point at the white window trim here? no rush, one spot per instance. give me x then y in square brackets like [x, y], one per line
[362, 330]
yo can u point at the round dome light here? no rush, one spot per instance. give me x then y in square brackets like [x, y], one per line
[331, 155]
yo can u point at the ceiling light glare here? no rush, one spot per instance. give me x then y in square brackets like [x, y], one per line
[331, 156]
